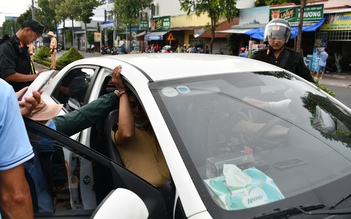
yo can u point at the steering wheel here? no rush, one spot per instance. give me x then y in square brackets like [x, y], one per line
[271, 123]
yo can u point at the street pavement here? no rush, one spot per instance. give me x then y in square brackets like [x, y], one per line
[342, 79]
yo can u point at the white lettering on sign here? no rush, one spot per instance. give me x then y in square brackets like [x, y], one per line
[312, 14]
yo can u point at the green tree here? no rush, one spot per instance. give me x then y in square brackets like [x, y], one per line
[10, 27]
[47, 14]
[90, 36]
[68, 9]
[215, 9]
[127, 11]
[61, 15]
[86, 14]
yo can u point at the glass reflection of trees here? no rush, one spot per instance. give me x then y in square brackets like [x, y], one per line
[342, 118]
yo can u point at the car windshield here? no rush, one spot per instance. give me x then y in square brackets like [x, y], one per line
[256, 138]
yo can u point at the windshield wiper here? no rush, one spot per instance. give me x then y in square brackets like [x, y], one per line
[307, 210]
[284, 213]
[339, 202]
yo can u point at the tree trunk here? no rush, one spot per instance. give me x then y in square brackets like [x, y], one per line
[72, 32]
[86, 36]
[213, 29]
[299, 31]
[64, 34]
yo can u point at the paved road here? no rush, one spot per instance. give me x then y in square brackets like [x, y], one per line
[337, 80]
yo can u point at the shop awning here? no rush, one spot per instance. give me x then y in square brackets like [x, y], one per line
[258, 33]
[140, 34]
[154, 36]
[235, 30]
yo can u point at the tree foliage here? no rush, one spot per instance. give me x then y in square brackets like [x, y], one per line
[86, 15]
[215, 9]
[47, 15]
[128, 10]
[9, 27]
[86, 9]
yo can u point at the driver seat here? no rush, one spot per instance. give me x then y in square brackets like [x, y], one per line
[110, 121]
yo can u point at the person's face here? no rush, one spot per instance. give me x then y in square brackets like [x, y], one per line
[31, 36]
[276, 42]
[138, 111]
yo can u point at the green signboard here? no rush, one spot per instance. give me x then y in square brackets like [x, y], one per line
[161, 23]
[292, 14]
[143, 25]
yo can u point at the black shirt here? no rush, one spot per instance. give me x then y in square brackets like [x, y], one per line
[294, 63]
[15, 58]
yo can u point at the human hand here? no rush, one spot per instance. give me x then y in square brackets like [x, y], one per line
[28, 104]
[117, 80]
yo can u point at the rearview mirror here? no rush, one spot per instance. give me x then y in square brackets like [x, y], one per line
[123, 204]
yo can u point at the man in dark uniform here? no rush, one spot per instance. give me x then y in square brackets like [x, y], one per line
[16, 66]
[277, 33]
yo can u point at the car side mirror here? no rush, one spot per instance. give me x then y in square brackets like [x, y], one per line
[121, 203]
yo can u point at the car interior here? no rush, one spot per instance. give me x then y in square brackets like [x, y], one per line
[100, 138]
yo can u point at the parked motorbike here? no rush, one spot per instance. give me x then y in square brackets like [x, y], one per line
[59, 47]
[114, 51]
[105, 50]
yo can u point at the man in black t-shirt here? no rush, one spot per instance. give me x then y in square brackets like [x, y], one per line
[277, 33]
[16, 66]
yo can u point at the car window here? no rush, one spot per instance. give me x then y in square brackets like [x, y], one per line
[65, 181]
[69, 179]
[247, 134]
[72, 89]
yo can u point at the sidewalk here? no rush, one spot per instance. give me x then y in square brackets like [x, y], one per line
[342, 79]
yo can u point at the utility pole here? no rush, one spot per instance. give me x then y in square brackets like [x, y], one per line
[33, 10]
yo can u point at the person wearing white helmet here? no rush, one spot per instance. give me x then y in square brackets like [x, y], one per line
[277, 33]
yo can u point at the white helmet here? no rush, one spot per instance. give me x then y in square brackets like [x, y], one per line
[277, 28]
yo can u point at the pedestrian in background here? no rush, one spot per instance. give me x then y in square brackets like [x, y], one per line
[92, 48]
[31, 50]
[15, 65]
[15, 150]
[323, 56]
[207, 50]
[53, 51]
[243, 52]
[277, 33]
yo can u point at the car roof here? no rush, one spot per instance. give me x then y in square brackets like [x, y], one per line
[163, 66]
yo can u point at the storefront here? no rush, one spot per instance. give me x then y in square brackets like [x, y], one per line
[336, 32]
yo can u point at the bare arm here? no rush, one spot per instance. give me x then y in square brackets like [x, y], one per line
[16, 201]
[18, 77]
[258, 103]
[125, 118]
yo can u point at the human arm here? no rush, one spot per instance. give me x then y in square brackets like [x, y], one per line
[126, 127]
[15, 194]
[9, 66]
[258, 103]
[53, 44]
[19, 77]
[15, 149]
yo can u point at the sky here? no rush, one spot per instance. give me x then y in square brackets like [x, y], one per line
[13, 8]
[16, 7]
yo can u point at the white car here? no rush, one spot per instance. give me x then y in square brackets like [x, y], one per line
[241, 138]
